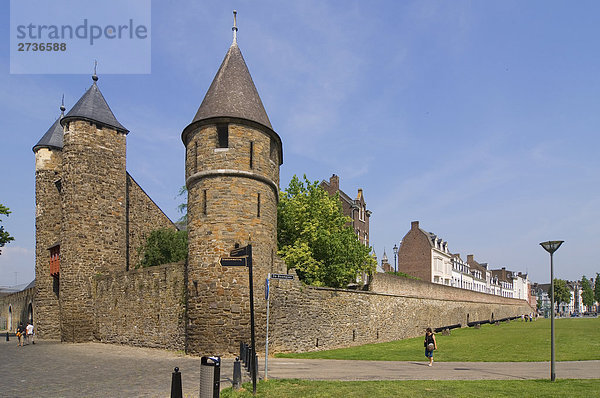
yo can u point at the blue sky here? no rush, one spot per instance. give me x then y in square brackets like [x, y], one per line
[479, 119]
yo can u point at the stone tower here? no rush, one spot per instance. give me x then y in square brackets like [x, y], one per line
[232, 175]
[93, 233]
[48, 218]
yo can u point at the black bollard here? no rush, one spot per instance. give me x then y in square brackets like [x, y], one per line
[7, 339]
[176, 384]
[237, 374]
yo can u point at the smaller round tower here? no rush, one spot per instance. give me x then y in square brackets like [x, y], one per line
[48, 218]
[232, 175]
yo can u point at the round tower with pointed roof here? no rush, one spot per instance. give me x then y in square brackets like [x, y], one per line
[232, 175]
[48, 217]
[93, 190]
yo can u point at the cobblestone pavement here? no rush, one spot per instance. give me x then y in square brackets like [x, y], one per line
[51, 369]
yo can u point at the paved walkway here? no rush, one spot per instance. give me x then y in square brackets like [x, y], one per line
[51, 369]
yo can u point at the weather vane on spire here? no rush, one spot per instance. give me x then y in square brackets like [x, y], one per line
[62, 106]
[95, 76]
[234, 29]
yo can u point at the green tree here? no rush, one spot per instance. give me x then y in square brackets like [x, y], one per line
[597, 288]
[163, 246]
[562, 294]
[182, 208]
[539, 303]
[587, 294]
[315, 238]
[4, 235]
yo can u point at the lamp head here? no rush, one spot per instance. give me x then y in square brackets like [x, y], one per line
[552, 245]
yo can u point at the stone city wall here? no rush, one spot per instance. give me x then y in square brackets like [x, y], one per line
[142, 307]
[387, 283]
[304, 318]
[14, 308]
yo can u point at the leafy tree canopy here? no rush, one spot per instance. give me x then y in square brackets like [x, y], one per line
[4, 235]
[587, 294]
[562, 294]
[315, 238]
[164, 246]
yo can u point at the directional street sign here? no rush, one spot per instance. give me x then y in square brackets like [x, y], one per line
[239, 252]
[233, 261]
[282, 276]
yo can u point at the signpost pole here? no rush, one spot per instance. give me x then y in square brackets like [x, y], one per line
[252, 335]
[268, 291]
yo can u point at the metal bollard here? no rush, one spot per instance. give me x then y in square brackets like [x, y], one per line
[176, 384]
[210, 377]
[237, 374]
[7, 339]
[241, 349]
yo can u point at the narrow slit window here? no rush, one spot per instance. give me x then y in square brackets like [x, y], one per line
[258, 205]
[222, 136]
[195, 156]
[251, 154]
[204, 202]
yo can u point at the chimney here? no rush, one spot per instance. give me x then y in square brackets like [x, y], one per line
[334, 181]
[470, 258]
[414, 225]
[360, 194]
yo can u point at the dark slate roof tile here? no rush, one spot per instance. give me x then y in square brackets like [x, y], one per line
[93, 107]
[53, 137]
[232, 93]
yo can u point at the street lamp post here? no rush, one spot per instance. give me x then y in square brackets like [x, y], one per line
[395, 256]
[551, 247]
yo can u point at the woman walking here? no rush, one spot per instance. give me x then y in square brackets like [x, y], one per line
[430, 345]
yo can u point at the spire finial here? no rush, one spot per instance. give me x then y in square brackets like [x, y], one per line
[62, 106]
[234, 29]
[94, 76]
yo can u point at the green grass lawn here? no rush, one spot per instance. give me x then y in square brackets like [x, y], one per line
[577, 339]
[419, 388]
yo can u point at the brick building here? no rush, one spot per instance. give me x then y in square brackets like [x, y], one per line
[425, 255]
[356, 209]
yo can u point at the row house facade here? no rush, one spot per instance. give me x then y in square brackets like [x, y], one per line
[426, 256]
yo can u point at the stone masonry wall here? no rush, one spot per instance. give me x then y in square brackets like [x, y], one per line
[14, 308]
[142, 307]
[239, 207]
[48, 221]
[391, 284]
[94, 221]
[306, 318]
[144, 216]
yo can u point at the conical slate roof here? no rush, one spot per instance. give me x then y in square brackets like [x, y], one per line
[53, 137]
[232, 93]
[93, 107]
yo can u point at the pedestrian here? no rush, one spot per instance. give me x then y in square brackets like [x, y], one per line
[20, 334]
[29, 330]
[430, 345]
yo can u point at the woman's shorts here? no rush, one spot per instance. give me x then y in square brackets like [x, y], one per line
[428, 354]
